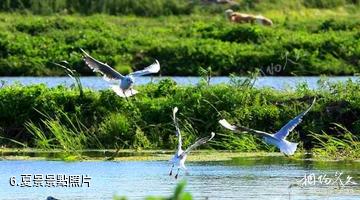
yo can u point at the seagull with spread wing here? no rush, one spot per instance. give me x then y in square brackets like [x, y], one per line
[180, 155]
[279, 138]
[124, 84]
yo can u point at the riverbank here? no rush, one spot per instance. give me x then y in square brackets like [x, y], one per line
[73, 119]
[128, 155]
[156, 155]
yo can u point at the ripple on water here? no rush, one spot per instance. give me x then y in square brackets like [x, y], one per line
[242, 178]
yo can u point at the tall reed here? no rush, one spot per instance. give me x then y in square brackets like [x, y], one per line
[68, 135]
[344, 146]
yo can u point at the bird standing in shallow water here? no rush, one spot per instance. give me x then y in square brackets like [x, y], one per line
[180, 155]
[123, 84]
[279, 138]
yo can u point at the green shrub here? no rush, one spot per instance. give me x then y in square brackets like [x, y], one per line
[183, 45]
[145, 121]
[140, 140]
[324, 3]
[116, 128]
[118, 7]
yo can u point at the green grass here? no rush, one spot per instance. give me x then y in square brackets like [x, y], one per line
[345, 145]
[69, 136]
[86, 7]
[312, 39]
[99, 119]
[159, 7]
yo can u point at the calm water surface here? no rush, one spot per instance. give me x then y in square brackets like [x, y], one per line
[98, 83]
[241, 178]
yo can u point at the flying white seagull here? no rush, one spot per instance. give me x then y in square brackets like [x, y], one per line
[279, 138]
[180, 155]
[120, 84]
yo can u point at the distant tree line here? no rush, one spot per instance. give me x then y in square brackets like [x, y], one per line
[87, 7]
[154, 7]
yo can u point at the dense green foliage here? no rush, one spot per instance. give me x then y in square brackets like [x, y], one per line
[119, 7]
[305, 41]
[152, 7]
[144, 122]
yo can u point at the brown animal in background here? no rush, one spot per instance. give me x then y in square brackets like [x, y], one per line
[263, 20]
[246, 18]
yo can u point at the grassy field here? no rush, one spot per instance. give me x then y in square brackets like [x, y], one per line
[308, 38]
[65, 119]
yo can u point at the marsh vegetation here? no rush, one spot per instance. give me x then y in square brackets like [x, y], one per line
[62, 118]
